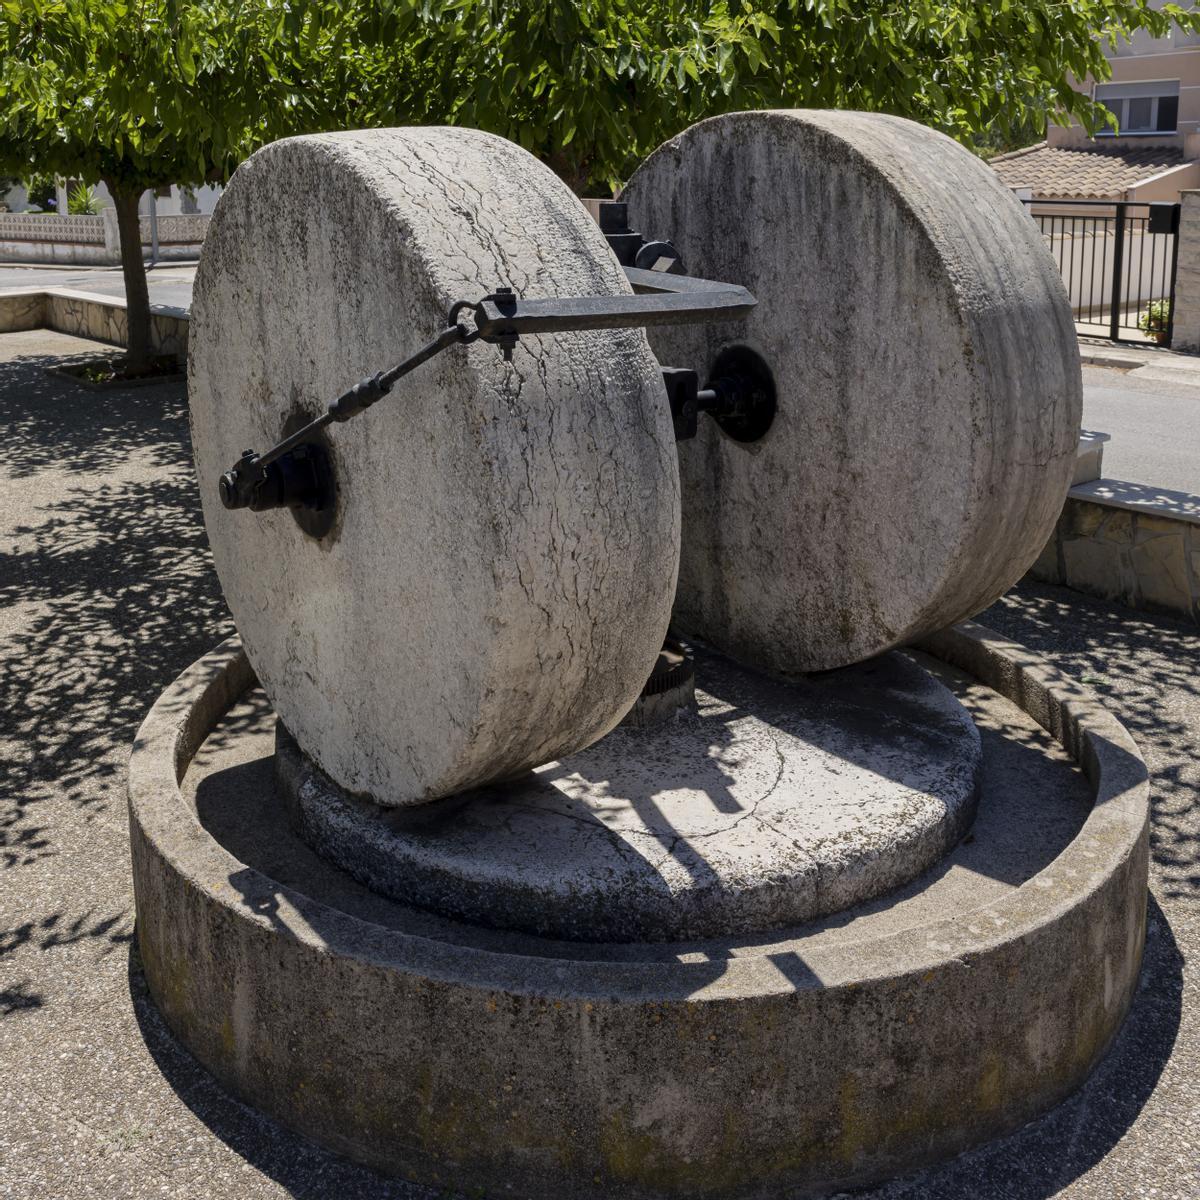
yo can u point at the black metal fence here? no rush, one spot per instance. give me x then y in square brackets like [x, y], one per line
[1118, 260]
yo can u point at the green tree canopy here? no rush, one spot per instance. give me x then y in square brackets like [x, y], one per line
[146, 93]
[143, 93]
[592, 86]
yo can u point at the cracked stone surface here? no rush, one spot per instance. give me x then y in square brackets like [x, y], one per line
[770, 804]
[928, 381]
[499, 580]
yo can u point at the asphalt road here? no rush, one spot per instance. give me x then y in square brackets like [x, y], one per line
[1154, 423]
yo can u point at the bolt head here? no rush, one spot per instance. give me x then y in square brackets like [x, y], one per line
[227, 488]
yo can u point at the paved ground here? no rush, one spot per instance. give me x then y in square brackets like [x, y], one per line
[168, 284]
[1154, 422]
[106, 592]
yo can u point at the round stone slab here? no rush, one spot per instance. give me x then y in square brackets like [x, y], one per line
[770, 805]
[498, 580]
[927, 379]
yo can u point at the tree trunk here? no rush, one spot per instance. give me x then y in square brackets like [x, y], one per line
[137, 294]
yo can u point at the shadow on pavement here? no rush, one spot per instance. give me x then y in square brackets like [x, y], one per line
[1146, 670]
[108, 592]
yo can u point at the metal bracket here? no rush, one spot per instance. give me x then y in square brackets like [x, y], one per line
[740, 396]
[631, 249]
[661, 299]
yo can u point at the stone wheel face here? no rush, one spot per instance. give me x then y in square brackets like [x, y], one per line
[927, 380]
[498, 581]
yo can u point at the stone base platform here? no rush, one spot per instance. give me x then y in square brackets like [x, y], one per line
[770, 805]
[817, 1057]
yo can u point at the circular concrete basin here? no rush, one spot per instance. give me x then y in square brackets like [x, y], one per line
[822, 1056]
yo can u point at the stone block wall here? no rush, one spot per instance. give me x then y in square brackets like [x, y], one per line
[48, 227]
[1135, 545]
[101, 318]
[178, 230]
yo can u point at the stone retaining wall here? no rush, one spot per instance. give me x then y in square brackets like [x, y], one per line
[1136, 545]
[101, 318]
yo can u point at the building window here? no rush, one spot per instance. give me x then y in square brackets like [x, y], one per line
[1141, 107]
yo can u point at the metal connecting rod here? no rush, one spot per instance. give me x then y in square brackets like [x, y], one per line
[295, 472]
[664, 299]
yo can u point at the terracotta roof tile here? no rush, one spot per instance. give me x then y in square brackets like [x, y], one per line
[1084, 172]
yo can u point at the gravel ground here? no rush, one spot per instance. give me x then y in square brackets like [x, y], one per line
[107, 592]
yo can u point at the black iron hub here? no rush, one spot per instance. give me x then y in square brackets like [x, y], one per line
[297, 472]
[739, 397]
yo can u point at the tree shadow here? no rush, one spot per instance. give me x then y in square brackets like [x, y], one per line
[108, 582]
[1144, 668]
[52, 422]
[19, 996]
[109, 592]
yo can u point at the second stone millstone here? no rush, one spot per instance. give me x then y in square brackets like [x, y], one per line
[928, 393]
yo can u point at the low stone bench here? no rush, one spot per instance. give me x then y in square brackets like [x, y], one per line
[84, 314]
[1128, 542]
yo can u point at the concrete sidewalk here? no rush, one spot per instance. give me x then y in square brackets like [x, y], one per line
[1128, 356]
[167, 284]
[108, 592]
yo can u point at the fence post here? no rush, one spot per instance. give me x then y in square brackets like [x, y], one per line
[1114, 320]
[1185, 333]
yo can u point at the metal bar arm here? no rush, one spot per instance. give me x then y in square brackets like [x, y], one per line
[665, 300]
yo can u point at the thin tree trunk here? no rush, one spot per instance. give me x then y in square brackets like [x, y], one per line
[137, 294]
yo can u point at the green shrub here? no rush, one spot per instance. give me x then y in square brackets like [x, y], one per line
[40, 192]
[83, 202]
[1156, 318]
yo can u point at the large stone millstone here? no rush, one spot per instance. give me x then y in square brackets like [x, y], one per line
[927, 373]
[498, 581]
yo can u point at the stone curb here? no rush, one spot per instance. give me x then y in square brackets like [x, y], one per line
[723, 1076]
[1094, 358]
